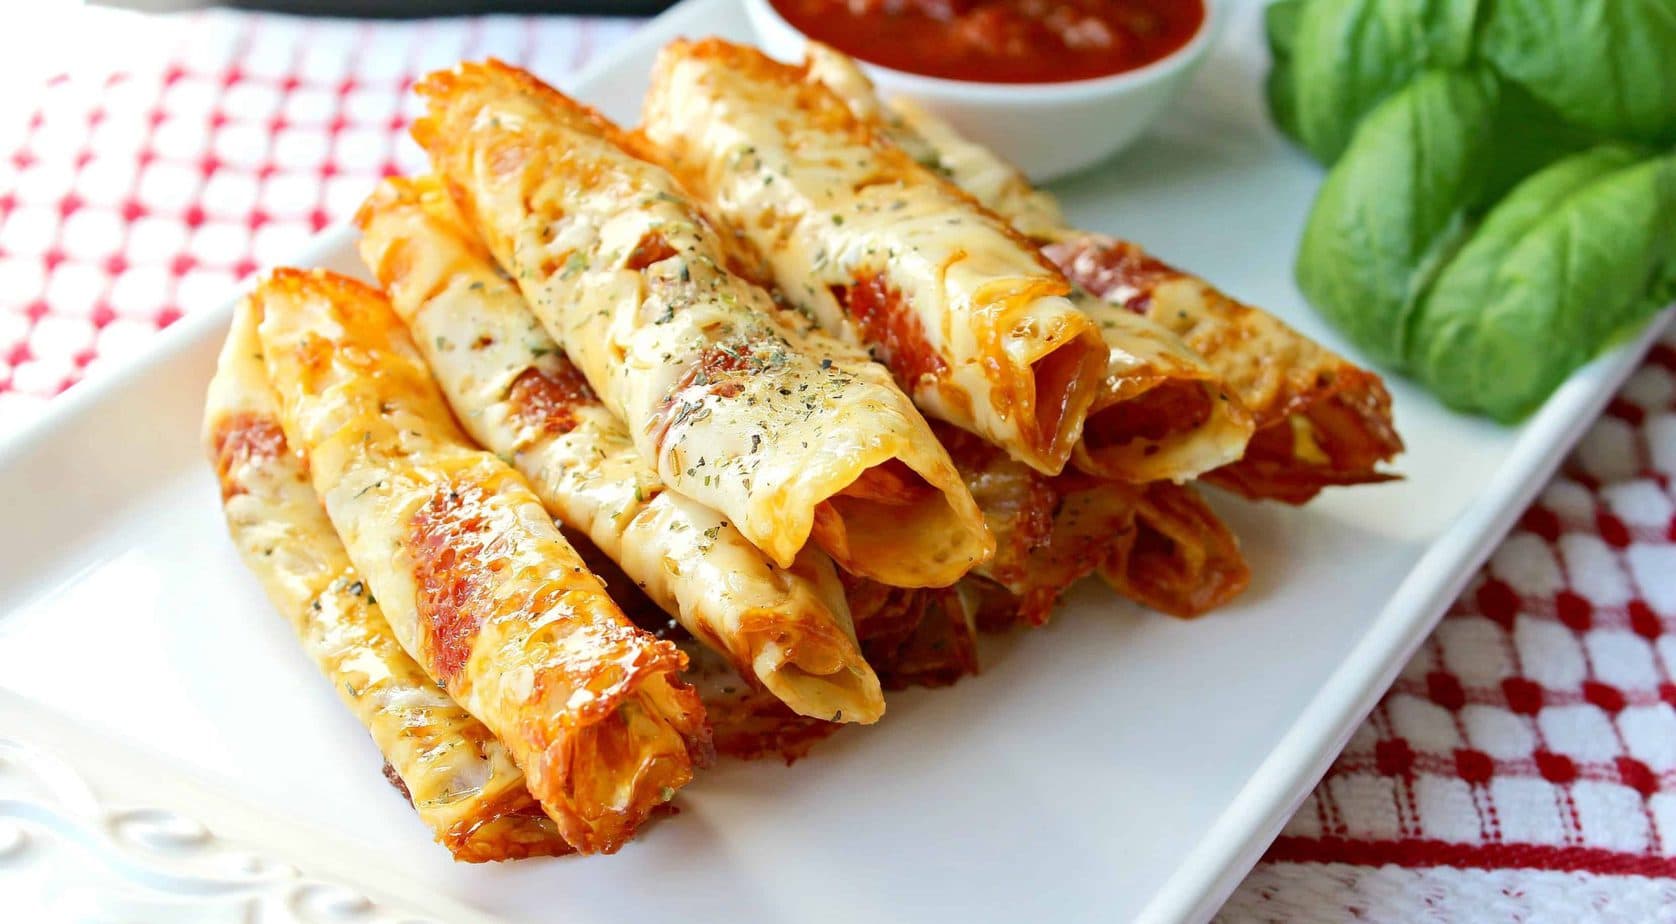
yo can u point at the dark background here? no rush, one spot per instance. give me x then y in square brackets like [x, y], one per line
[412, 8]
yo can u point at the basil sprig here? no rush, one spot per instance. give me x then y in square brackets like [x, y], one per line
[1501, 202]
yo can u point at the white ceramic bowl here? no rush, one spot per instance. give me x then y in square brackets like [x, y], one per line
[1047, 129]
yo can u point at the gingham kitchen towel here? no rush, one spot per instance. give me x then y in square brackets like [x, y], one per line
[1523, 767]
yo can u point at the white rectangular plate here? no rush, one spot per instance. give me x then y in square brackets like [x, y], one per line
[1116, 765]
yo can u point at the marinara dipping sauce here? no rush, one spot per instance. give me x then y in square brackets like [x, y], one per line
[1001, 41]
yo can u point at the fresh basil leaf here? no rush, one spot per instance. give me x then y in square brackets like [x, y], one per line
[1348, 55]
[1529, 136]
[1280, 23]
[1396, 205]
[1606, 65]
[1564, 263]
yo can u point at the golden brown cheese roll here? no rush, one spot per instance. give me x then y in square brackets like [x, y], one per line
[458, 776]
[516, 393]
[470, 570]
[734, 401]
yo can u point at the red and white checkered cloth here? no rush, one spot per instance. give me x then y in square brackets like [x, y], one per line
[1522, 768]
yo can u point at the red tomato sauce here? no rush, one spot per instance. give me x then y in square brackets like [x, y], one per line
[892, 329]
[1001, 41]
[1117, 271]
[242, 438]
[449, 542]
[1173, 407]
[547, 400]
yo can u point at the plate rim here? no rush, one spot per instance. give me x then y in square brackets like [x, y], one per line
[1300, 758]
[83, 809]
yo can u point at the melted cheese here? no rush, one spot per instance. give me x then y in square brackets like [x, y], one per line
[1143, 356]
[734, 402]
[1319, 419]
[976, 170]
[833, 209]
[1050, 532]
[472, 574]
[1183, 561]
[1139, 361]
[459, 777]
[1287, 381]
[787, 628]
[1158, 544]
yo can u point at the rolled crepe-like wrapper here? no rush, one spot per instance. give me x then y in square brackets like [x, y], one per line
[923, 637]
[517, 394]
[1182, 559]
[471, 572]
[935, 145]
[1320, 420]
[457, 775]
[967, 313]
[735, 402]
[749, 722]
[746, 720]
[1157, 544]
